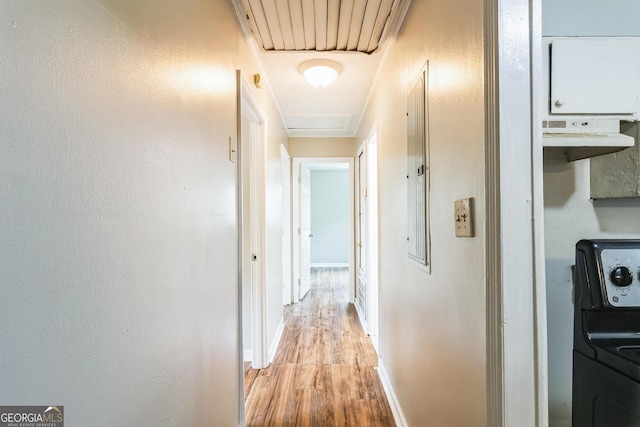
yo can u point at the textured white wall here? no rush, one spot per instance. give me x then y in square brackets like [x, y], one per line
[117, 207]
[432, 326]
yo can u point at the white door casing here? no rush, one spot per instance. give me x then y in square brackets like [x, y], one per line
[362, 292]
[252, 156]
[287, 283]
[295, 192]
[367, 236]
[304, 231]
[516, 315]
[371, 154]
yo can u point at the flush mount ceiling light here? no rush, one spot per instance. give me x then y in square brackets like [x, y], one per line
[320, 72]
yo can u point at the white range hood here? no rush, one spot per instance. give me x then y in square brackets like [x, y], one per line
[584, 145]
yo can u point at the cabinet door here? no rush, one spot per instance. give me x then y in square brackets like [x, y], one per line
[594, 76]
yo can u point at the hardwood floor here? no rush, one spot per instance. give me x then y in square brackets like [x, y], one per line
[324, 370]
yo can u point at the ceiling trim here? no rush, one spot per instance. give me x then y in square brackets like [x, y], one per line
[251, 41]
[394, 29]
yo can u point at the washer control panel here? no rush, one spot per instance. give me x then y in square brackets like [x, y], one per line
[621, 271]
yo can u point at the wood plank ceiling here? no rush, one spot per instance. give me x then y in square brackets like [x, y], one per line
[319, 25]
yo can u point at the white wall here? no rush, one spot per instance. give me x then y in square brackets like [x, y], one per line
[330, 217]
[569, 214]
[118, 259]
[323, 147]
[432, 326]
[590, 18]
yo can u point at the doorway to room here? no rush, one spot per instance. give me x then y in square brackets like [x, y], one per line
[323, 220]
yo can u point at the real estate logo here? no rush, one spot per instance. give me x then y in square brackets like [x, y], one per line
[32, 416]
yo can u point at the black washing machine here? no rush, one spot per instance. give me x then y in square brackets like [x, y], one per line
[606, 338]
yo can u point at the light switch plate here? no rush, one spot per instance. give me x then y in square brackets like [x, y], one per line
[463, 217]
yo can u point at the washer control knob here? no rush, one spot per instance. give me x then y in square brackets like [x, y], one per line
[621, 277]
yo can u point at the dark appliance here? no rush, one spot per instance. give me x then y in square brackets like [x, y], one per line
[606, 338]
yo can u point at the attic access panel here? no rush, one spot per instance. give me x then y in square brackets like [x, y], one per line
[310, 25]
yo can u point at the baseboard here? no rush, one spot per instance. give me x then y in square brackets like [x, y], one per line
[396, 410]
[363, 323]
[329, 264]
[248, 356]
[276, 341]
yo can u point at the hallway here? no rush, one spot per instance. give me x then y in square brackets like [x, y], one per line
[121, 186]
[324, 372]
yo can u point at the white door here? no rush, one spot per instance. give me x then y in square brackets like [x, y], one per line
[305, 232]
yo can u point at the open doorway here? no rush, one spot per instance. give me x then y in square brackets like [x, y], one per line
[323, 225]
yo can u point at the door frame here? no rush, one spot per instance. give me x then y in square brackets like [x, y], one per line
[287, 281]
[361, 234]
[258, 137]
[368, 149]
[517, 387]
[295, 175]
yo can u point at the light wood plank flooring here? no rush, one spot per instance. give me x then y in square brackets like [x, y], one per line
[324, 370]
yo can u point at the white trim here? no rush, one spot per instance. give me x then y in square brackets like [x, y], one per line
[297, 161]
[385, 50]
[239, 218]
[330, 264]
[540, 288]
[248, 355]
[276, 341]
[257, 141]
[363, 323]
[255, 49]
[394, 403]
[373, 234]
[287, 281]
[516, 349]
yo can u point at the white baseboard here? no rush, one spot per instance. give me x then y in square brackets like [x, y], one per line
[276, 341]
[361, 319]
[248, 356]
[329, 264]
[396, 410]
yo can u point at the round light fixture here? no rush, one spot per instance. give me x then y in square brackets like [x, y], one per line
[320, 72]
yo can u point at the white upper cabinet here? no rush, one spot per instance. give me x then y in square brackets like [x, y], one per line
[594, 76]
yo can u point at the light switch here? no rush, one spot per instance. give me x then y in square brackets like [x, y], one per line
[463, 217]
